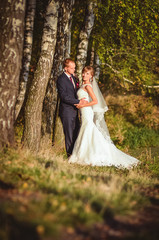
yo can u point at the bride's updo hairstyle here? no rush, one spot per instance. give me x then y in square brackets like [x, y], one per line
[90, 69]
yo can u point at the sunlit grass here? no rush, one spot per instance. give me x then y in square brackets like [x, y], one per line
[47, 192]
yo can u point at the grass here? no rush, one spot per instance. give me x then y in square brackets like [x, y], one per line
[133, 121]
[43, 196]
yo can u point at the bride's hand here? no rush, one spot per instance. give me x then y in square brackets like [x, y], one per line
[83, 101]
[81, 104]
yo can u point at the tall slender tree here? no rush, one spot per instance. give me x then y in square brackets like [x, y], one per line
[97, 66]
[84, 37]
[11, 40]
[92, 56]
[34, 104]
[62, 50]
[27, 51]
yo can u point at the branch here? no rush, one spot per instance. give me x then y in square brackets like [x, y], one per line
[125, 79]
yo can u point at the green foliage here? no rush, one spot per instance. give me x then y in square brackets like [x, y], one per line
[121, 23]
[138, 66]
[126, 36]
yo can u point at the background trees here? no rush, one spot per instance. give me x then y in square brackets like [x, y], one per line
[126, 39]
[119, 38]
[27, 52]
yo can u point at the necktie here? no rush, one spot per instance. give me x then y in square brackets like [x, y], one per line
[72, 81]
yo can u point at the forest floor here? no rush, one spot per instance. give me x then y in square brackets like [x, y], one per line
[142, 225]
[45, 198]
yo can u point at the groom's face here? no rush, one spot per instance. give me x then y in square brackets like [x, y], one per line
[70, 69]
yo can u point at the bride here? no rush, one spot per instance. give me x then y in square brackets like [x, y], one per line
[93, 145]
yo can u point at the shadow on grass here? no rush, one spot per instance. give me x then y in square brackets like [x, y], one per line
[15, 230]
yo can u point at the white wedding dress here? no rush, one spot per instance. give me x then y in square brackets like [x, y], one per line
[92, 147]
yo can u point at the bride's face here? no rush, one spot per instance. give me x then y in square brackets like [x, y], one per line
[86, 76]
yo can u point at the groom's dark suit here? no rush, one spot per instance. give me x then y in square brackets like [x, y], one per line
[67, 111]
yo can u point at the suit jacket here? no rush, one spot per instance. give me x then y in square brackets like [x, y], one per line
[68, 96]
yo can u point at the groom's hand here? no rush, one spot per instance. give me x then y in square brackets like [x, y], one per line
[82, 103]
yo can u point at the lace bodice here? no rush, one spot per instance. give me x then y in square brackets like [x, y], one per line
[82, 93]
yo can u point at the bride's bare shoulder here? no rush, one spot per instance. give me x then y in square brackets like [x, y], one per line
[88, 87]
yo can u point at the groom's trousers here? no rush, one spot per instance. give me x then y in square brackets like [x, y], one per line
[71, 127]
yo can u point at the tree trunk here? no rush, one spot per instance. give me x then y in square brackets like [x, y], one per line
[27, 51]
[11, 33]
[84, 38]
[51, 124]
[68, 45]
[33, 111]
[68, 5]
[92, 57]
[97, 67]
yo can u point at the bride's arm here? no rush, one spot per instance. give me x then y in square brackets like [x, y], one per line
[93, 97]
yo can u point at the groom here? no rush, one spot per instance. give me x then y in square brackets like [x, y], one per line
[67, 90]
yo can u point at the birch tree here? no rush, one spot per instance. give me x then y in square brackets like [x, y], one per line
[97, 66]
[84, 38]
[51, 122]
[95, 62]
[11, 40]
[92, 56]
[33, 110]
[27, 51]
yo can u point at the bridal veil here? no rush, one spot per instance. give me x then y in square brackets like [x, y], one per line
[99, 110]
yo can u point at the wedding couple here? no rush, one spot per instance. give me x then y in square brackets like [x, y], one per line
[89, 144]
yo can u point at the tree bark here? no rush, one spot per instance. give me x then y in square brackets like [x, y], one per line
[68, 44]
[84, 38]
[33, 111]
[27, 51]
[51, 124]
[92, 57]
[11, 41]
[97, 67]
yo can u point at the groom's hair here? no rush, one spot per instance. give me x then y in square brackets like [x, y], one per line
[66, 62]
